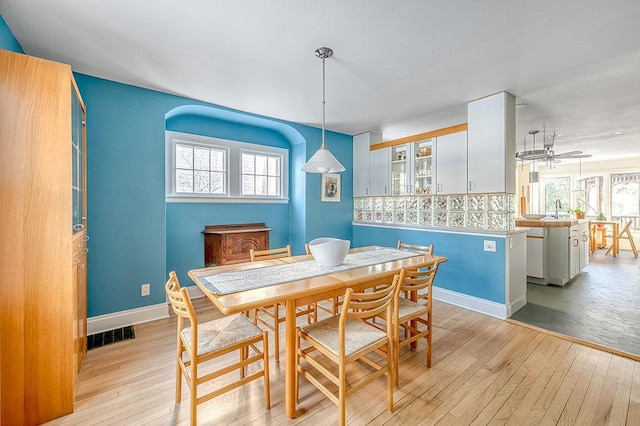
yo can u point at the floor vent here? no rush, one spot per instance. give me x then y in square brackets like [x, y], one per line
[107, 337]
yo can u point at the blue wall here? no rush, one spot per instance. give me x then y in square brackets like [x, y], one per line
[135, 237]
[185, 221]
[7, 40]
[469, 270]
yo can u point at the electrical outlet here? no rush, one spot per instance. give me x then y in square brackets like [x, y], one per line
[145, 289]
[489, 245]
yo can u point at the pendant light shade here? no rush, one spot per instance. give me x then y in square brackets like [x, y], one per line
[323, 161]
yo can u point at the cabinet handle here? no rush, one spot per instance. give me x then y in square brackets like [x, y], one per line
[471, 185]
[575, 243]
[385, 190]
[366, 191]
[439, 187]
[78, 227]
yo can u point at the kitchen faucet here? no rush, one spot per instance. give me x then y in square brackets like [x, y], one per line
[558, 205]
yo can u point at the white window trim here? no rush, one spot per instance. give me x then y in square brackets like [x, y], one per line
[234, 150]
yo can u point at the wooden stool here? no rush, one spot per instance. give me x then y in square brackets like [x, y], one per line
[600, 237]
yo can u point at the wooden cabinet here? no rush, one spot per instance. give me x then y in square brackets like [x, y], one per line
[228, 244]
[42, 324]
[79, 277]
[451, 162]
[492, 144]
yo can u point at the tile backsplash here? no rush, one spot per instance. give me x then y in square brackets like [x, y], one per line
[493, 212]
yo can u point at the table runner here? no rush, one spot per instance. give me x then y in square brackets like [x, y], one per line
[232, 282]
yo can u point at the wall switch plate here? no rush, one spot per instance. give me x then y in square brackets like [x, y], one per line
[489, 245]
[145, 289]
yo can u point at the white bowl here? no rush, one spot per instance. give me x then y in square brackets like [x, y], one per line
[329, 251]
[533, 216]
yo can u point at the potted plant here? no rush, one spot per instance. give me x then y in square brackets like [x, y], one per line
[578, 212]
[601, 217]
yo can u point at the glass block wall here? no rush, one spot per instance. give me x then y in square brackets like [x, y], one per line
[493, 212]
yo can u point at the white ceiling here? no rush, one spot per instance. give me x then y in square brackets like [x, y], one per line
[399, 68]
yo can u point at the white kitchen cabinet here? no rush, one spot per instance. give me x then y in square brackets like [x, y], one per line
[491, 144]
[563, 254]
[536, 252]
[379, 171]
[401, 169]
[423, 167]
[412, 168]
[361, 162]
[451, 161]
[584, 244]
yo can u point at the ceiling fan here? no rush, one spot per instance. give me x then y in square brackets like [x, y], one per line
[547, 153]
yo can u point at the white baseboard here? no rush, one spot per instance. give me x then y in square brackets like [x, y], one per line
[155, 312]
[513, 307]
[121, 319]
[483, 306]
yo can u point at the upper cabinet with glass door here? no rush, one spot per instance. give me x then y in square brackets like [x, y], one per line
[400, 170]
[78, 162]
[423, 167]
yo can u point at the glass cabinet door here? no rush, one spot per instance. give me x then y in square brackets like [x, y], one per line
[423, 167]
[399, 170]
[77, 162]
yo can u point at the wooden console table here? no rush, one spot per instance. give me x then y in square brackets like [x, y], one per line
[228, 244]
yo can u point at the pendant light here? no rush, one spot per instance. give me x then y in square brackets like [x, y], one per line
[323, 161]
[533, 175]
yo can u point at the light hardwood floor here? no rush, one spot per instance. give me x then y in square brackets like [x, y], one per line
[485, 371]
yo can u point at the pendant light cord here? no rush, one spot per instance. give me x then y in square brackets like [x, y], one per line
[323, 102]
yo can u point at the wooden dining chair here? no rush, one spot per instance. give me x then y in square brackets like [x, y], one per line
[336, 302]
[345, 339]
[413, 247]
[414, 314]
[625, 234]
[272, 313]
[205, 341]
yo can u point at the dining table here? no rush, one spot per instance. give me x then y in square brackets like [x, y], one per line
[297, 281]
[615, 243]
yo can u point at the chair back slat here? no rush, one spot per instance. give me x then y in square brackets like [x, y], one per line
[179, 299]
[276, 253]
[417, 248]
[368, 305]
[419, 277]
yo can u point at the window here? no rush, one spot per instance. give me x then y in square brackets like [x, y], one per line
[625, 196]
[590, 195]
[261, 174]
[556, 189]
[204, 169]
[200, 170]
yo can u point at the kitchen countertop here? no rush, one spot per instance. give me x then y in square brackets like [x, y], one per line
[550, 223]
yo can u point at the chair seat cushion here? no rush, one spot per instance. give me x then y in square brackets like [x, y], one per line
[408, 308]
[222, 332]
[359, 334]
